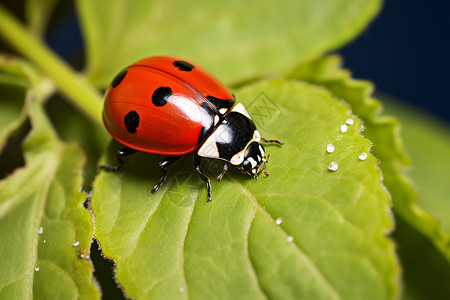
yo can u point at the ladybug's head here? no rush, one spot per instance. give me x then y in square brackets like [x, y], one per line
[254, 160]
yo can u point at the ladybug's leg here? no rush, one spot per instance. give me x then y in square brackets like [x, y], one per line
[225, 169]
[197, 162]
[122, 153]
[271, 141]
[162, 165]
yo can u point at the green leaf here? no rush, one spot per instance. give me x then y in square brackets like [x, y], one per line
[41, 217]
[235, 39]
[384, 132]
[427, 141]
[13, 88]
[331, 243]
[79, 90]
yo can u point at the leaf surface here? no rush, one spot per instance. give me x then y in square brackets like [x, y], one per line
[13, 88]
[330, 243]
[384, 131]
[37, 14]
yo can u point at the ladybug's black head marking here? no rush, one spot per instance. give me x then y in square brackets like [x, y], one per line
[161, 95]
[119, 77]
[132, 121]
[254, 160]
[183, 65]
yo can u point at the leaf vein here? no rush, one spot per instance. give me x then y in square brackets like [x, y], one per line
[295, 244]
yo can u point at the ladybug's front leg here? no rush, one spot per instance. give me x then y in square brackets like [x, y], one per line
[122, 153]
[197, 162]
[271, 141]
[162, 165]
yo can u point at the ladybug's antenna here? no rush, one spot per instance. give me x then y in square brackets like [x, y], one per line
[266, 173]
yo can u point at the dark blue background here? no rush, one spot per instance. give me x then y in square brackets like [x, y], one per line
[405, 51]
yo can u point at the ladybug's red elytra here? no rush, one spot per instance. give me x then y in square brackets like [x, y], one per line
[170, 106]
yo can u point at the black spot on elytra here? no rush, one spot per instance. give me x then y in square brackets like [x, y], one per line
[161, 95]
[131, 121]
[119, 77]
[183, 65]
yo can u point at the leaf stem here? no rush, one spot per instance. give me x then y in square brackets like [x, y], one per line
[72, 84]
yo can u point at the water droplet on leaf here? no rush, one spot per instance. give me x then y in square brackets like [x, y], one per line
[363, 156]
[330, 148]
[333, 166]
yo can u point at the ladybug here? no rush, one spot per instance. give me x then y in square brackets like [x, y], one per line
[171, 106]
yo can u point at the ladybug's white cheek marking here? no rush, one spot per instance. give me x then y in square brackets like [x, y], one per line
[222, 111]
[209, 148]
[238, 158]
[241, 109]
[188, 107]
[256, 136]
[216, 120]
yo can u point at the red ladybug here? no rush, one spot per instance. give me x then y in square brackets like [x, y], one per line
[171, 106]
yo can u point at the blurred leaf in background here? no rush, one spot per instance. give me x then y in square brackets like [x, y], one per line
[45, 229]
[236, 40]
[305, 232]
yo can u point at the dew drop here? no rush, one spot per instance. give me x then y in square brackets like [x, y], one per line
[182, 289]
[278, 221]
[290, 239]
[363, 156]
[45, 241]
[41, 230]
[330, 148]
[76, 243]
[349, 121]
[36, 269]
[344, 128]
[333, 166]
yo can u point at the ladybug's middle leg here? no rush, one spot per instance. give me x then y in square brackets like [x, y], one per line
[224, 170]
[197, 162]
[162, 165]
[122, 153]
